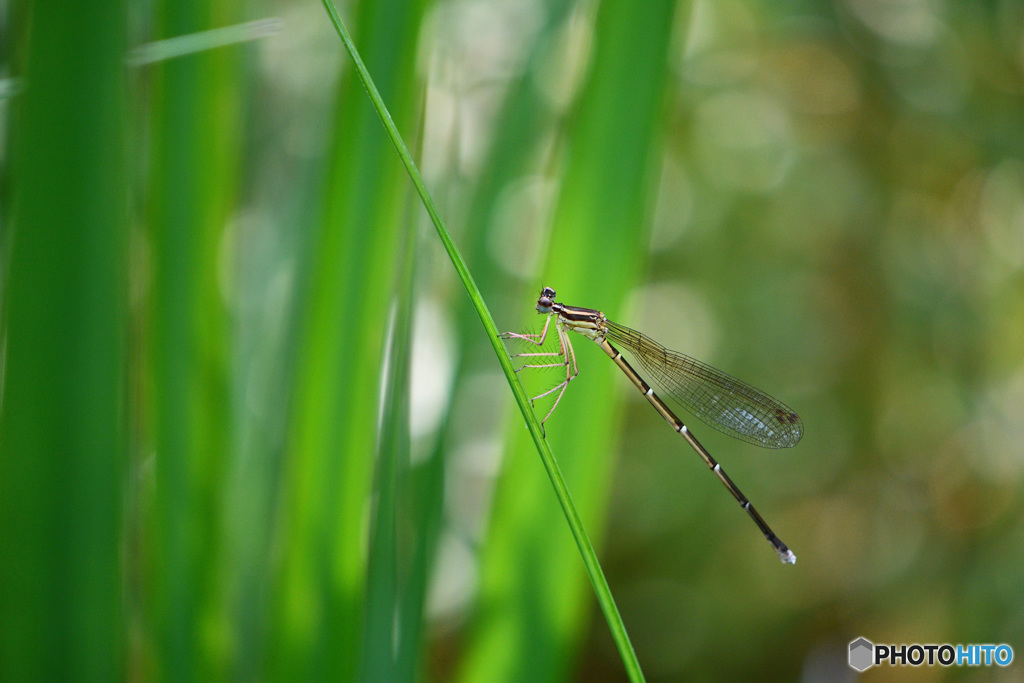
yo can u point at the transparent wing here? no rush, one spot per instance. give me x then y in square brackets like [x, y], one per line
[719, 400]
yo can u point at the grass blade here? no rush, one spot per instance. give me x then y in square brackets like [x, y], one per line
[62, 422]
[320, 592]
[610, 154]
[586, 549]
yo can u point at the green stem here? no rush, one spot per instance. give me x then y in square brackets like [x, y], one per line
[593, 567]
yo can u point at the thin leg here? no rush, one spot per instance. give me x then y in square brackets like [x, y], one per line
[548, 365]
[537, 339]
[534, 339]
[571, 371]
[568, 361]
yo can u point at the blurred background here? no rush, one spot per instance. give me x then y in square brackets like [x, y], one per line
[251, 427]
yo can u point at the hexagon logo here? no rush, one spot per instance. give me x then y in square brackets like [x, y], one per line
[862, 654]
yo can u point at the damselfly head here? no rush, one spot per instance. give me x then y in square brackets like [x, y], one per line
[546, 300]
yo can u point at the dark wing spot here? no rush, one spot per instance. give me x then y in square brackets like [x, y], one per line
[786, 418]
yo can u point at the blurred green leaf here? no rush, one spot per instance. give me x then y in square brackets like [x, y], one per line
[532, 592]
[62, 416]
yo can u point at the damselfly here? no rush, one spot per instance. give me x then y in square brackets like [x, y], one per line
[720, 400]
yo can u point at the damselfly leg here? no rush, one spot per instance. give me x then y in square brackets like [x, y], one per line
[565, 353]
